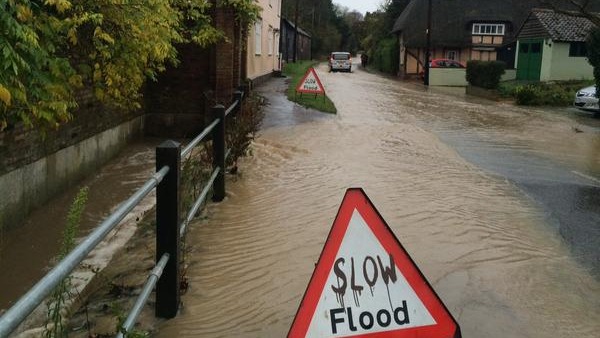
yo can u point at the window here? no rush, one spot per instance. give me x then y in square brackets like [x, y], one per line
[488, 29]
[577, 49]
[536, 48]
[258, 37]
[270, 51]
[452, 55]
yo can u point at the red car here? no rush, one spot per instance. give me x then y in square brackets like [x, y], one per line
[445, 63]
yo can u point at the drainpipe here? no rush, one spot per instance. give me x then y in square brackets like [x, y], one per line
[428, 51]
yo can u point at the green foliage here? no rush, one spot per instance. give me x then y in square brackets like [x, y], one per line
[379, 44]
[324, 20]
[246, 11]
[56, 303]
[386, 56]
[558, 93]
[593, 48]
[485, 74]
[51, 48]
[319, 102]
[34, 77]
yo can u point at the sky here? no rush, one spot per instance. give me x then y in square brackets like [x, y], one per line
[362, 6]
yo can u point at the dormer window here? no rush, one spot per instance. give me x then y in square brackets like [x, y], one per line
[488, 29]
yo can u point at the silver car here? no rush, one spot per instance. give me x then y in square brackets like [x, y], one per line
[586, 99]
[340, 61]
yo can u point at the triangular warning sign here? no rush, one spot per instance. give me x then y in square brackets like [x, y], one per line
[366, 285]
[310, 83]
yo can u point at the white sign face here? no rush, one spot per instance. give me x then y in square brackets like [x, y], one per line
[311, 83]
[365, 292]
[366, 285]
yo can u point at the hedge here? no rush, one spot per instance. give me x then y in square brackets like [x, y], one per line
[485, 74]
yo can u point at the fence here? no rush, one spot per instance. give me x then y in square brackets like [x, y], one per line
[169, 228]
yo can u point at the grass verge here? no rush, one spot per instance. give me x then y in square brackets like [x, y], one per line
[296, 71]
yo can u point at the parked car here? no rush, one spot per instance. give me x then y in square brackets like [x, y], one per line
[442, 63]
[586, 99]
[340, 61]
[445, 63]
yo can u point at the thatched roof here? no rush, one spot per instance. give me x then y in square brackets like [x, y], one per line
[452, 20]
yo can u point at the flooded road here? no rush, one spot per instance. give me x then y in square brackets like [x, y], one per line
[469, 187]
[28, 249]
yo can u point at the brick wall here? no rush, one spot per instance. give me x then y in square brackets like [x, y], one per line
[176, 103]
[20, 146]
[224, 52]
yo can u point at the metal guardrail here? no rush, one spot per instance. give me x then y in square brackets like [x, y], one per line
[18, 312]
[169, 229]
[144, 295]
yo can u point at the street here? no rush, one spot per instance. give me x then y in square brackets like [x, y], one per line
[497, 204]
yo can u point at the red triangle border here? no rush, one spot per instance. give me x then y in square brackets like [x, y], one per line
[355, 198]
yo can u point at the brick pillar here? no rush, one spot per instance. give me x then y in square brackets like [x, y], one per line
[244, 55]
[224, 55]
[237, 55]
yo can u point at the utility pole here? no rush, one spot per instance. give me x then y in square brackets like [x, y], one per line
[428, 51]
[295, 33]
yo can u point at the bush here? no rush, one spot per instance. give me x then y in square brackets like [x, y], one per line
[527, 95]
[485, 74]
[547, 94]
[593, 47]
[385, 57]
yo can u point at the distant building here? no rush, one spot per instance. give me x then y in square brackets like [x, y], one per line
[288, 30]
[262, 52]
[461, 30]
[551, 46]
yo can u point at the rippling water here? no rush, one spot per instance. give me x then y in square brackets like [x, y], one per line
[484, 245]
[27, 250]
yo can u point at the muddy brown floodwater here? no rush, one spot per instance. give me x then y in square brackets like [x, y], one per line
[485, 245]
[27, 250]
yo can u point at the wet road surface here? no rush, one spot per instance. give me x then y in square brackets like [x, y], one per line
[481, 194]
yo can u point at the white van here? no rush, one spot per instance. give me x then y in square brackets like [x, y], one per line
[340, 61]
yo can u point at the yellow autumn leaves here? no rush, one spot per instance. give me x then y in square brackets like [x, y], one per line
[50, 49]
[4, 95]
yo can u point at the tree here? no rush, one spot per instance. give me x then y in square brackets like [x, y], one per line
[51, 48]
[593, 47]
[325, 22]
[379, 43]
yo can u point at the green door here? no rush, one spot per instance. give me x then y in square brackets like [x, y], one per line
[530, 60]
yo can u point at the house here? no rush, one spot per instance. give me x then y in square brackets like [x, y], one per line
[461, 30]
[262, 52]
[551, 46]
[288, 30]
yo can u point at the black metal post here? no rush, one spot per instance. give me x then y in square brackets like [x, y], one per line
[167, 228]
[428, 51]
[218, 138]
[238, 96]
